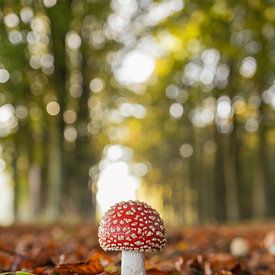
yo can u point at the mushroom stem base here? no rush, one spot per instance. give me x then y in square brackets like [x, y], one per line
[132, 263]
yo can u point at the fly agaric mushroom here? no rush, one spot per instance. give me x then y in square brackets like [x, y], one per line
[132, 227]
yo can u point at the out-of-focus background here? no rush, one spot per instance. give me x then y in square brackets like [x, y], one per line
[169, 101]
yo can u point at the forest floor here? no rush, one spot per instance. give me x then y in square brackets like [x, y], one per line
[68, 249]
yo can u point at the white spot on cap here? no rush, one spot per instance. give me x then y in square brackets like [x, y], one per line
[130, 213]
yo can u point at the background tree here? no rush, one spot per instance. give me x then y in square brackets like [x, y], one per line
[50, 65]
[208, 108]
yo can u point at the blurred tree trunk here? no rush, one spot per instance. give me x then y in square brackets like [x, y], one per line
[54, 173]
[230, 175]
[84, 157]
[34, 176]
[209, 187]
[16, 177]
[59, 29]
[219, 183]
[22, 166]
[261, 186]
[201, 184]
[262, 189]
[195, 175]
[35, 180]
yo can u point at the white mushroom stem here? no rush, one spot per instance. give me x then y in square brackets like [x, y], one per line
[132, 263]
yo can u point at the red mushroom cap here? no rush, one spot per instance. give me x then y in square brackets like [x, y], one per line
[131, 225]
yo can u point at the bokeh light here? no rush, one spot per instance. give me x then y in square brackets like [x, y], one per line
[176, 110]
[186, 150]
[4, 75]
[11, 20]
[136, 67]
[116, 182]
[73, 40]
[53, 108]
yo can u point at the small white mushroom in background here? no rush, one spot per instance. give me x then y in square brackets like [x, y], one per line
[132, 227]
[239, 247]
[269, 242]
